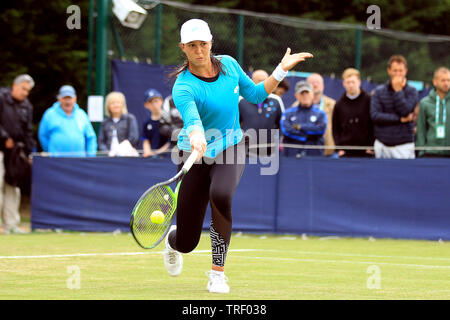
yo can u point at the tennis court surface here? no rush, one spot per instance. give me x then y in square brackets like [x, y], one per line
[73, 265]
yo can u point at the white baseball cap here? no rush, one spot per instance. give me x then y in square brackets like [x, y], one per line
[195, 29]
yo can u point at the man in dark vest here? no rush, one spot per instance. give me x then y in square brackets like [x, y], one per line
[16, 114]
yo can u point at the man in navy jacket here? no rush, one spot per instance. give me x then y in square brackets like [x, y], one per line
[392, 108]
[304, 125]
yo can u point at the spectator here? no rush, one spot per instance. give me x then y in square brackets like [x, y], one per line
[16, 114]
[65, 129]
[392, 111]
[282, 88]
[262, 116]
[433, 126]
[153, 142]
[118, 126]
[324, 103]
[171, 121]
[352, 125]
[304, 124]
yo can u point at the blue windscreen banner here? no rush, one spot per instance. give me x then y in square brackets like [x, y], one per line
[133, 79]
[382, 198]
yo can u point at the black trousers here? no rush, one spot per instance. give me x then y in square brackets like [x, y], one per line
[213, 183]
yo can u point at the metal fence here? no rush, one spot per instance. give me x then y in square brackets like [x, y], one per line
[259, 41]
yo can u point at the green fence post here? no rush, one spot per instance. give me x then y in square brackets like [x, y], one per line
[102, 46]
[101, 57]
[158, 33]
[240, 39]
[358, 50]
[90, 45]
[117, 40]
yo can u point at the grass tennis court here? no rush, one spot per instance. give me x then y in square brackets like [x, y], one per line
[112, 266]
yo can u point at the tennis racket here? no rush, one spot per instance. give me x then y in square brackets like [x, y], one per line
[159, 197]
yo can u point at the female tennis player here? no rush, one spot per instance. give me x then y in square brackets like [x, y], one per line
[206, 92]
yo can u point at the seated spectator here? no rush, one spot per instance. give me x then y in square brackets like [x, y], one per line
[303, 125]
[282, 88]
[153, 142]
[392, 112]
[263, 116]
[433, 125]
[171, 121]
[65, 128]
[352, 125]
[118, 125]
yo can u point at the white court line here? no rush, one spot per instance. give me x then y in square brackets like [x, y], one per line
[359, 255]
[247, 257]
[49, 256]
[420, 266]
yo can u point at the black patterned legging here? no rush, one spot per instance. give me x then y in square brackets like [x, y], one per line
[214, 183]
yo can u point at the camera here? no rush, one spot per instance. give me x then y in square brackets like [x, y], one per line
[129, 13]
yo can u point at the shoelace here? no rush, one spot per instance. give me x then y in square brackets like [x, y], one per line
[216, 277]
[172, 257]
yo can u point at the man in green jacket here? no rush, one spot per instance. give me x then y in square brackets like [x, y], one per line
[433, 122]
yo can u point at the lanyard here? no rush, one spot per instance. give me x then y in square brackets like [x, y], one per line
[438, 110]
[321, 104]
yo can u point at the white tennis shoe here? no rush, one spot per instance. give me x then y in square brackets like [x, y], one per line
[217, 282]
[173, 260]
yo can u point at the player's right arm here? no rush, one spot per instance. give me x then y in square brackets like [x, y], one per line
[185, 103]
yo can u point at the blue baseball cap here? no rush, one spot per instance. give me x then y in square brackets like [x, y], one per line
[67, 91]
[152, 93]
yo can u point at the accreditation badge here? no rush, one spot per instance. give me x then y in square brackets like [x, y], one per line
[440, 131]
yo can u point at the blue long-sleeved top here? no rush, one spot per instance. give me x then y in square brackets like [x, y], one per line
[212, 107]
[387, 107]
[312, 121]
[61, 134]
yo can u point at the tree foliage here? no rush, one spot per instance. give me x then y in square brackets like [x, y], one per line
[427, 17]
[36, 40]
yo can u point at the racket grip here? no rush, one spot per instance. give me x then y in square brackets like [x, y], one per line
[190, 161]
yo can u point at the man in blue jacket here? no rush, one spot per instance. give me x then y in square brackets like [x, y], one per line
[65, 129]
[392, 109]
[304, 125]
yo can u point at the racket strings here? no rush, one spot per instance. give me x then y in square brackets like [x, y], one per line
[147, 233]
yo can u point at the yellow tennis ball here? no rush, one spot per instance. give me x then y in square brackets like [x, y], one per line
[157, 217]
[166, 197]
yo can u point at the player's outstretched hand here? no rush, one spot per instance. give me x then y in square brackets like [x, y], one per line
[290, 60]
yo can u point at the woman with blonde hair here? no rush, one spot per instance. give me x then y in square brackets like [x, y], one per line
[119, 125]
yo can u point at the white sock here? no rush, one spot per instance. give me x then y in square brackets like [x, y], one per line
[217, 272]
